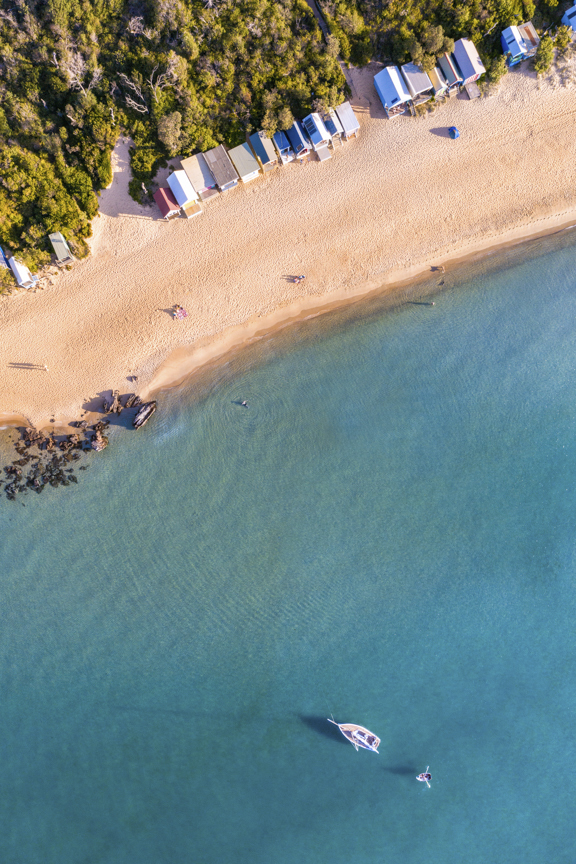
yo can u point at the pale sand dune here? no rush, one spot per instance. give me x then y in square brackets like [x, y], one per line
[389, 205]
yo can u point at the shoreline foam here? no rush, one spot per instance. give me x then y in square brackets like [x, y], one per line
[378, 216]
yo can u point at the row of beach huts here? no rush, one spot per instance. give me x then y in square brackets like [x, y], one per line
[205, 175]
[401, 89]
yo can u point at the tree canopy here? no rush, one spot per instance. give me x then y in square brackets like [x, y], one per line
[180, 76]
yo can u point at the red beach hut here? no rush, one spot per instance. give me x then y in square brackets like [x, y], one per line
[167, 203]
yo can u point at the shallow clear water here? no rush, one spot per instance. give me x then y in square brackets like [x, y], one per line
[386, 533]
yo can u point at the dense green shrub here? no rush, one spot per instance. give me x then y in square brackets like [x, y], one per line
[178, 75]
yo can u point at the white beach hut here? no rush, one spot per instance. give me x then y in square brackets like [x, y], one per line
[22, 274]
[318, 134]
[392, 90]
[184, 193]
[348, 119]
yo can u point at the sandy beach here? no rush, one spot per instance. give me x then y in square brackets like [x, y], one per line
[400, 199]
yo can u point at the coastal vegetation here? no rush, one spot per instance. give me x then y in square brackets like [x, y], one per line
[178, 76]
[181, 76]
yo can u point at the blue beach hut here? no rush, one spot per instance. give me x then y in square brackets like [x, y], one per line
[297, 140]
[283, 147]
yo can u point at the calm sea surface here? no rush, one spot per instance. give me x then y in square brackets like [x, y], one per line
[387, 533]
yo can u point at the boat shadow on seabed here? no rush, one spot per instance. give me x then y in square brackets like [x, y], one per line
[322, 727]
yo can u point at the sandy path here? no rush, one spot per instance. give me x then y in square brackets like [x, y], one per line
[397, 200]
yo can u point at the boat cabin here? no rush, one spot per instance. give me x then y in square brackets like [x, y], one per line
[200, 176]
[392, 90]
[184, 193]
[245, 162]
[263, 149]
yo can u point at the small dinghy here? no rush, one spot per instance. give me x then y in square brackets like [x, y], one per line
[358, 735]
[144, 414]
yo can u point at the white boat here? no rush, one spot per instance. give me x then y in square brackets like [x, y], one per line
[358, 735]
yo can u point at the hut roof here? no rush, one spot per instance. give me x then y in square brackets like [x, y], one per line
[60, 246]
[220, 166]
[166, 201]
[198, 172]
[390, 87]
[438, 80]
[468, 58]
[263, 148]
[332, 123]
[569, 17]
[22, 274]
[296, 137]
[416, 79]
[450, 70]
[182, 188]
[281, 141]
[244, 162]
[316, 129]
[348, 119]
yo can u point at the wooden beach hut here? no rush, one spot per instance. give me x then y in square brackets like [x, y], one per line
[22, 274]
[451, 73]
[184, 193]
[200, 176]
[300, 145]
[283, 147]
[221, 168]
[392, 90]
[318, 134]
[468, 60]
[569, 18]
[169, 207]
[61, 248]
[418, 82]
[334, 126]
[439, 83]
[263, 149]
[245, 162]
[348, 119]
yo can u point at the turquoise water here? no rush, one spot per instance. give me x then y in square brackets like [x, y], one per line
[386, 533]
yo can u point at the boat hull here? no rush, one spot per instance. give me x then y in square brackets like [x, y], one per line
[359, 736]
